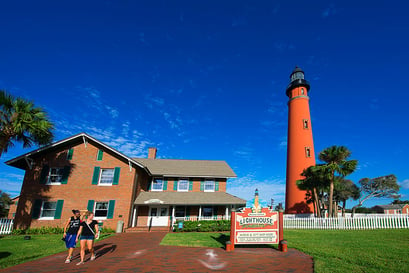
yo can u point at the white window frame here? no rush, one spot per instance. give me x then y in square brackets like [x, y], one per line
[49, 176]
[100, 177]
[95, 206]
[209, 190]
[42, 209]
[153, 180]
[187, 183]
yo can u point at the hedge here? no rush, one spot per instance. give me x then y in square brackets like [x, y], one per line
[203, 226]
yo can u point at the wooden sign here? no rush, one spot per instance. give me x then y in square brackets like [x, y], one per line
[260, 226]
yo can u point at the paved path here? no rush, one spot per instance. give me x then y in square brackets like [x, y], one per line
[141, 252]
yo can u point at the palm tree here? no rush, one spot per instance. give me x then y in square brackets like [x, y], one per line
[315, 183]
[21, 121]
[336, 163]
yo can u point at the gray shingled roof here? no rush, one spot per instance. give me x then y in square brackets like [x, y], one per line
[393, 206]
[188, 198]
[187, 168]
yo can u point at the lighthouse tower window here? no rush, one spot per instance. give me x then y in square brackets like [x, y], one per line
[305, 123]
[307, 152]
[302, 91]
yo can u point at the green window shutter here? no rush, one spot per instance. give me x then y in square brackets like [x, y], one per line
[111, 207]
[216, 186]
[116, 175]
[90, 206]
[65, 174]
[187, 211]
[100, 154]
[44, 174]
[95, 176]
[70, 153]
[201, 185]
[58, 209]
[165, 184]
[215, 212]
[149, 186]
[175, 185]
[36, 209]
[190, 185]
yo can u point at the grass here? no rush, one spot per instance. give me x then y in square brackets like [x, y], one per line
[15, 250]
[332, 250]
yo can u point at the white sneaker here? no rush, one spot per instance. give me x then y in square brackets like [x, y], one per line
[80, 263]
[92, 257]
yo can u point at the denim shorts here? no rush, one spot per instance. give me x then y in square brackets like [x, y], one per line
[89, 237]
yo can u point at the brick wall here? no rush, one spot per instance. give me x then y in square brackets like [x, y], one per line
[79, 188]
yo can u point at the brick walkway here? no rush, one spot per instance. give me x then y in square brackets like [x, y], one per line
[141, 252]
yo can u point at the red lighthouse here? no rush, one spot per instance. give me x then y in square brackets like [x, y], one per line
[300, 145]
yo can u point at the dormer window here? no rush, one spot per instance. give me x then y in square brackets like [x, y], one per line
[209, 185]
[157, 184]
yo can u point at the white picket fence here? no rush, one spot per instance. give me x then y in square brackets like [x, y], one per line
[383, 221]
[6, 226]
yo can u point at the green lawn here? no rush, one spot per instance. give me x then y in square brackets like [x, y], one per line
[333, 251]
[15, 250]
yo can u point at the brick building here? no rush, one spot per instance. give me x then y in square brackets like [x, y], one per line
[81, 172]
[392, 209]
[13, 207]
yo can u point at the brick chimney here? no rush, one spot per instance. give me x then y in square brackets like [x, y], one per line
[152, 153]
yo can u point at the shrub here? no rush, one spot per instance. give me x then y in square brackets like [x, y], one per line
[41, 230]
[203, 226]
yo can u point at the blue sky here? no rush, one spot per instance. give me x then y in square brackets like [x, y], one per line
[207, 80]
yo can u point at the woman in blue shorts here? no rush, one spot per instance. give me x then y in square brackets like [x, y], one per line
[70, 233]
[88, 231]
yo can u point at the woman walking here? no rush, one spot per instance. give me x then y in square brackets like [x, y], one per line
[70, 233]
[88, 231]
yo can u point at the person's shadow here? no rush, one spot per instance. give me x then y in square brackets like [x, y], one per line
[99, 250]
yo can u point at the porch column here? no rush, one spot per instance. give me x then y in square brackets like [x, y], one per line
[134, 216]
[173, 215]
[200, 212]
[227, 212]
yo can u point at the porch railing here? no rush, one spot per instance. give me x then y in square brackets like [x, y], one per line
[203, 218]
[6, 226]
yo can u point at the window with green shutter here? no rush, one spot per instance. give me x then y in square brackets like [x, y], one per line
[90, 206]
[99, 155]
[35, 213]
[70, 153]
[95, 176]
[116, 176]
[111, 208]
[44, 174]
[58, 209]
[65, 174]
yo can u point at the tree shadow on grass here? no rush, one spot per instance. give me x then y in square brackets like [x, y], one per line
[4, 254]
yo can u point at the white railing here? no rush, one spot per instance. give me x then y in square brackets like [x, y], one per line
[381, 221]
[6, 226]
[203, 218]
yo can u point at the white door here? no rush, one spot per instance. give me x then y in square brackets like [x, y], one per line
[158, 216]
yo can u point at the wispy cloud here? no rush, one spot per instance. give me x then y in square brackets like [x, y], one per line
[283, 46]
[245, 186]
[283, 143]
[404, 184]
[11, 183]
